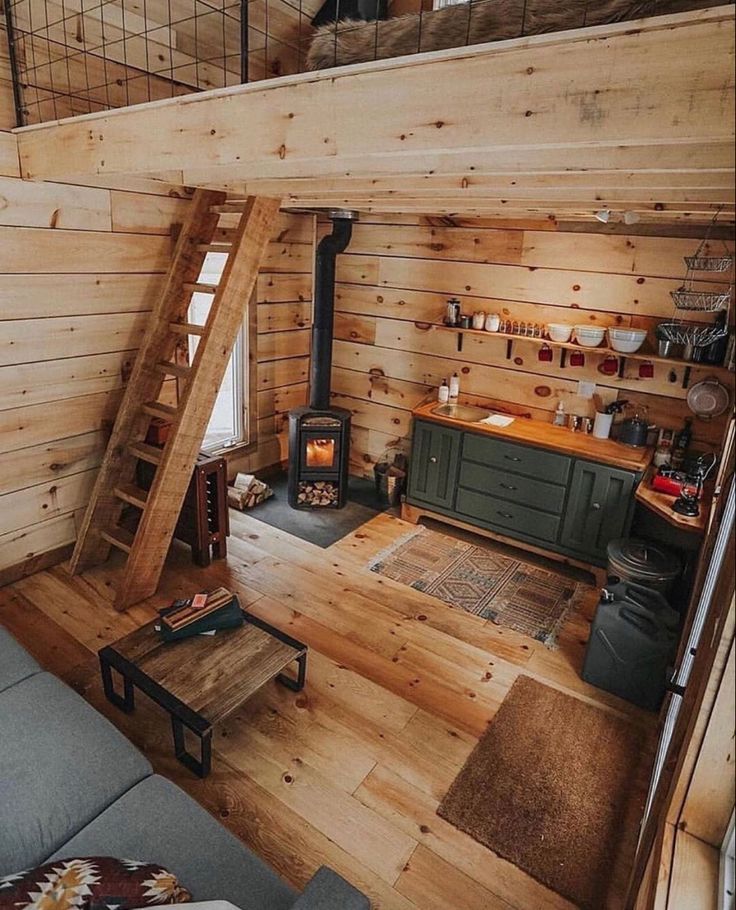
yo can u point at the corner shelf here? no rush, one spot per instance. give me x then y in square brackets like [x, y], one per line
[565, 346]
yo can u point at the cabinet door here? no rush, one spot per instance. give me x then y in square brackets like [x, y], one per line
[434, 460]
[598, 508]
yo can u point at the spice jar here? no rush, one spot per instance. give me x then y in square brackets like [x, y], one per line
[479, 319]
[493, 321]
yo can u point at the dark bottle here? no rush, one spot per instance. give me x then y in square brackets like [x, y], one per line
[682, 444]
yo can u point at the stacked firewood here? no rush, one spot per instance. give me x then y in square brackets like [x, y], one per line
[317, 493]
[248, 491]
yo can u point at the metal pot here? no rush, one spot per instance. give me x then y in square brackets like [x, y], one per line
[634, 432]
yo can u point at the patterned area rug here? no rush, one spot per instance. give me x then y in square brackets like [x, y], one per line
[483, 581]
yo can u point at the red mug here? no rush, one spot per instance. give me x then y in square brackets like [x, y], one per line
[577, 359]
[646, 370]
[609, 367]
[545, 353]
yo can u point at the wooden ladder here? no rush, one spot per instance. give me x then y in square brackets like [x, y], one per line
[115, 486]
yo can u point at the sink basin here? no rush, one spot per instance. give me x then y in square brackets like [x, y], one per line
[465, 412]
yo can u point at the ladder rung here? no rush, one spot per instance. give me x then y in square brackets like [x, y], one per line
[157, 409]
[145, 452]
[129, 492]
[214, 247]
[173, 369]
[186, 328]
[199, 288]
[119, 538]
[228, 207]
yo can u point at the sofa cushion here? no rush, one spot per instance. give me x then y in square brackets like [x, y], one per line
[15, 662]
[91, 883]
[158, 822]
[61, 764]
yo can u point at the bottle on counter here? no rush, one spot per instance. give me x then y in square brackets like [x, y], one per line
[682, 444]
[454, 385]
[663, 454]
[559, 418]
[443, 393]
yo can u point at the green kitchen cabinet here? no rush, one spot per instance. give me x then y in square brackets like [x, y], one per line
[434, 464]
[599, 508]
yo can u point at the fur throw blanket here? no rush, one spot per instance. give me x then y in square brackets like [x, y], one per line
[351, 41]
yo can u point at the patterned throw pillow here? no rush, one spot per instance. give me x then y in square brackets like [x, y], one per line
[92, 883]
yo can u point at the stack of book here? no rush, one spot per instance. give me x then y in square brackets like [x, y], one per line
[201, 614]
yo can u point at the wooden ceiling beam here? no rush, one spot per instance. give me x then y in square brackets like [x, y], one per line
[651, 95]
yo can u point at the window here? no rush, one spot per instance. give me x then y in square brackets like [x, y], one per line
[228, 425]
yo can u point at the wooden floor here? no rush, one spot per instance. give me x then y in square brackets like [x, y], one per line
[350, 771]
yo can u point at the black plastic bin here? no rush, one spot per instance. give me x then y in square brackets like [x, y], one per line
[632, 644]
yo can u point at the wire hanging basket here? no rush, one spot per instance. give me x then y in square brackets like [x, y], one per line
[687, 298]
[693, 296]
[691, 333]
[700, 263]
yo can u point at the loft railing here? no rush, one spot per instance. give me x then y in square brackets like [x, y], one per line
[73, 57]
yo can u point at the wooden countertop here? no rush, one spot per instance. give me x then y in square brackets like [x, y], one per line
[661, 504]
[556, 439]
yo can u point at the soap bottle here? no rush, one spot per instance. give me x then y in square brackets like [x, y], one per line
[454, 385]
[559, 418]
[443, 393]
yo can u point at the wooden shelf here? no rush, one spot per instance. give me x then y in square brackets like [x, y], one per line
[661, 504]
[573, 346]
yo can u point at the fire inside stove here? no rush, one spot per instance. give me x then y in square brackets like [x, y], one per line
[320, 453]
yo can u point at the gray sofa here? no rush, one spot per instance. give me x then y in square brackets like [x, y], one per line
[72, 785]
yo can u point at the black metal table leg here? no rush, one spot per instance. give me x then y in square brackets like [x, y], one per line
[201, 767]
[296, 685]
[126, 701]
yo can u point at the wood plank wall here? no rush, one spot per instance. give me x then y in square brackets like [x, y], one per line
[399, 271]
[284, 318]
[80, 269]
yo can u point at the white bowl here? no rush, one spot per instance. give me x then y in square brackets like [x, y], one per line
[626, 341]
[589, 336]
[559, 331]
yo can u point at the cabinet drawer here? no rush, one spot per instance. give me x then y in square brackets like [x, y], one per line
[506, 515]
[513, 487]
[521, 459]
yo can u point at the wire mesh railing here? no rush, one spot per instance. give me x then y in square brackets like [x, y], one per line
[73, 57]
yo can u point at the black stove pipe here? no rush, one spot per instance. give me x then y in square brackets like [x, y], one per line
[324, 309]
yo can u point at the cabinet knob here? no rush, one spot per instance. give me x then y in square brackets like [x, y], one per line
[505, 514]
[507, 486]
[433, 459]
[511, 458]
[596, 506]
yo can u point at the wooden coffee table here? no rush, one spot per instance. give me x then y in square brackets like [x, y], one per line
[201, 680]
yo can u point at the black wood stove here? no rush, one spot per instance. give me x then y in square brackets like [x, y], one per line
[319, 435]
